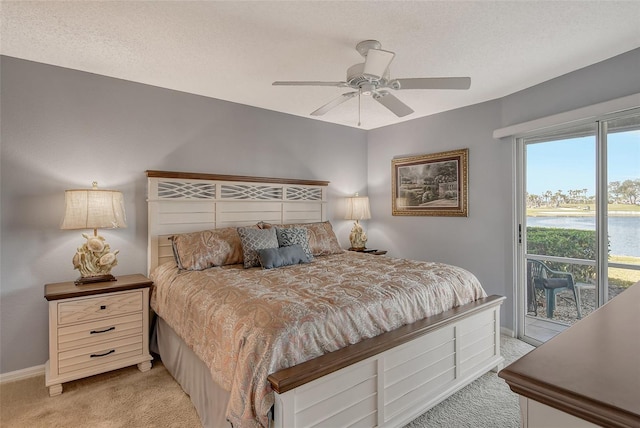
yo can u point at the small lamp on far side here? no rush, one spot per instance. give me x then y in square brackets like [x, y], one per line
[358, 209]
[94, 209]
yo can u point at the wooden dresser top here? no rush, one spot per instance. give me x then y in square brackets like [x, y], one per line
[592, 369]
[67, 290]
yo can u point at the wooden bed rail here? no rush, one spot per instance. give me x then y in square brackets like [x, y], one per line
[293, 377]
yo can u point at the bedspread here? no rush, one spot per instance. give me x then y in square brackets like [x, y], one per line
[248, 323]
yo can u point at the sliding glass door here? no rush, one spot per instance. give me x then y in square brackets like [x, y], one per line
[623, 204]
[579, 223]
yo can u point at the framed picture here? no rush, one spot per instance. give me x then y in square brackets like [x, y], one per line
[433, 185]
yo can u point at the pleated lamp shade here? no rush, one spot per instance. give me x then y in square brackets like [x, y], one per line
[358, 208]
[94, 209]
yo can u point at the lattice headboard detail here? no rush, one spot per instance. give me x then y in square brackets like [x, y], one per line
[188, 202]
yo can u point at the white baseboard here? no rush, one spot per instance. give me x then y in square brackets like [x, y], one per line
[22, 374]
[507, 332]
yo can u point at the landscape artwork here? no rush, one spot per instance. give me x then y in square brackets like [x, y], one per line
[431, 184]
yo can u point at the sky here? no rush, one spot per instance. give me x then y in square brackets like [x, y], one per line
[570, 164]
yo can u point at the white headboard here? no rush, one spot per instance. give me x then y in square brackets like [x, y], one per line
[181, 202]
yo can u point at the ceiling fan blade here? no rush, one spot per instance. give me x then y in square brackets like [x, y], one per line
[431, 83]
[396, 106]
[309, 83]
[336, 102]
[376, 63]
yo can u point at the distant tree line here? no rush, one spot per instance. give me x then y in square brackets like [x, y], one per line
[625, 192]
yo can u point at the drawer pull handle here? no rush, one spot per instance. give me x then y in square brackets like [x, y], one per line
[102, 307]
[103, 355]
[102, 331]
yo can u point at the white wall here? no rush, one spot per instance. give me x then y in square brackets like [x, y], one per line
[62, 129]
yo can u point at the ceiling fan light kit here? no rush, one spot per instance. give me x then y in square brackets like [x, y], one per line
[377, 63]
[372, 78]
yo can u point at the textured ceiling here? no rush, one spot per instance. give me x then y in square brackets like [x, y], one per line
[234, 50]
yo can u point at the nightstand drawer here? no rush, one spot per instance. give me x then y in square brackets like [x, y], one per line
[87, 334]
[103, 353]
[99, 307]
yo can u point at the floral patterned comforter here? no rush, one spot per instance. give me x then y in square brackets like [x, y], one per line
[247, 323]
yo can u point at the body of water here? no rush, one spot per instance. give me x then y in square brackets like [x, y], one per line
[624, 231]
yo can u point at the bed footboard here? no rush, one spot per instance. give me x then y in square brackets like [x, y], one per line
[391, 379]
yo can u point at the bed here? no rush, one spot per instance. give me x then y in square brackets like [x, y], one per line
[344, 339]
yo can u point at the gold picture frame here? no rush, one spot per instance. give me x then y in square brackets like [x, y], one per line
[431, 185]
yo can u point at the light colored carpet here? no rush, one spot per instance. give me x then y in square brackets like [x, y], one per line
[127, 398]
[124, 398]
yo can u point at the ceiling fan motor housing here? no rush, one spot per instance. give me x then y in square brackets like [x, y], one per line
[357, 79]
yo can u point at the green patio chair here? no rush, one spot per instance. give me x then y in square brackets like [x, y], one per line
[542, 278]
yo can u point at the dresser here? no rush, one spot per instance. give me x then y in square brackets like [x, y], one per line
[95, 328]
[588, 375]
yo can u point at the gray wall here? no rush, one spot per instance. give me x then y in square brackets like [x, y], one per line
[484, 241]
[62, 129]
[480, 242]
[606, 80]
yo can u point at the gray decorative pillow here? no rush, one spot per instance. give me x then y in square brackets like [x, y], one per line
[322, 240]
[253, 240]
[284, 256]
[293, 236]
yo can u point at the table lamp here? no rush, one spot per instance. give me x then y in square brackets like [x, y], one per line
[94, 209]
[358, 209]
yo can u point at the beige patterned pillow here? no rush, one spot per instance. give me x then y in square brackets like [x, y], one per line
[207, 248]
[322, 239]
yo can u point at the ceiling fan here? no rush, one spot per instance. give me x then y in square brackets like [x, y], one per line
[372, 78]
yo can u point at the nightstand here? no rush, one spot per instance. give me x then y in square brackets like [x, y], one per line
[368, 251]
[95, 328]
